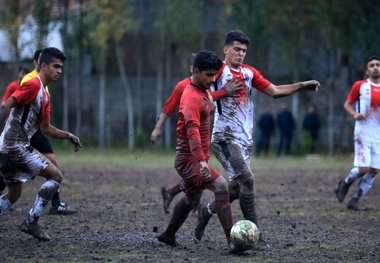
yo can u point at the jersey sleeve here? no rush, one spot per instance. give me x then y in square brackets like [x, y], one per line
[27, 92]
[173, 102]
[47, 112]
[354, 93]
[259, 81]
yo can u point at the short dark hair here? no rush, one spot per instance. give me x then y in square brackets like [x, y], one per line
[50, 53]
[206, 60]
[36, 55]
[372, 57]
[236, 35]
[23, 69]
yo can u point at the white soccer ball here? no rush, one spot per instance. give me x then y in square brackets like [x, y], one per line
[244, 235]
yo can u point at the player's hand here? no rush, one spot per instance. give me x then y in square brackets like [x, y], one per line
[359, 116]
[75, 140]
[155, 136]
[233, 86]
[205, 170]
[312, 85]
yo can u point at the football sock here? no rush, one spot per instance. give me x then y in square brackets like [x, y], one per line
[4, 204]
[247, 206]
[56, 199]
[223, 210]
[43, 197]
[180, 212]
[174, 190]
[352, 176]
[365, 185]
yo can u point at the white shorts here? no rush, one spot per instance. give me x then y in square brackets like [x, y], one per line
[367, 154]
[234, 158]
[21, 162]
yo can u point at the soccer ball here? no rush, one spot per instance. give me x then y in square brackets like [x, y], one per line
[244, 235]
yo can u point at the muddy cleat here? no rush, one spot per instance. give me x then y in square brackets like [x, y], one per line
[167, 199]
[203, 218]
[35, 230]
[353, 204]
[342, 190]
[232, 249]
[62, 209]
[262, 245]
[167, 240]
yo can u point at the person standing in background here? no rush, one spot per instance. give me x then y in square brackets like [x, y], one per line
[266, 125]
[310, 126]
[286, 126]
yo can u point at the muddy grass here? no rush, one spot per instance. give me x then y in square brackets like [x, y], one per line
[120, 213]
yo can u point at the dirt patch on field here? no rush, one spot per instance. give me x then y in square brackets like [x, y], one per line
[120, 213]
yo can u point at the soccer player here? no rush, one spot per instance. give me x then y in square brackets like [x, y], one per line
[41, 143]
[12, 86]
[365, 94]
[192, 151]
[29, 108]
[231, 139]
[170, 106]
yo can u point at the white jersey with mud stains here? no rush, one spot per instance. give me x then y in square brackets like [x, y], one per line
[366, 94]
[234, 116]
[33, 106]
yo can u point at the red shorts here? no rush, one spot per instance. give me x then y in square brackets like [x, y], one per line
[190, 171]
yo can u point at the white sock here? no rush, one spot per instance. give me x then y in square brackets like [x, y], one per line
[4, 204]
[43, 197]
[365, 185]
[352, 176]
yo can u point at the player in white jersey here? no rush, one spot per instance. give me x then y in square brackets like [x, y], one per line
[29, 108]
[232, 139]
[365, 94]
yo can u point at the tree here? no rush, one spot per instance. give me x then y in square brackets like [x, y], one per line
[109, 21]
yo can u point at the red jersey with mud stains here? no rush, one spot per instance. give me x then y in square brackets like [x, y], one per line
[193, 123]
[173, 101]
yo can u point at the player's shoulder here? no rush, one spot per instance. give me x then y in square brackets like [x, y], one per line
[360, 83]
[184, 82]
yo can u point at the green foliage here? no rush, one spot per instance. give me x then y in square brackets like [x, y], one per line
[306, 143]
[141, 140]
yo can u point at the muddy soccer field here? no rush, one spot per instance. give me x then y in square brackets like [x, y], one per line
[119, 205]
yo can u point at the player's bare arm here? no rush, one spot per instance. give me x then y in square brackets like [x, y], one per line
[156, 133]
[350, 110]
[289, 89]
[56, 133]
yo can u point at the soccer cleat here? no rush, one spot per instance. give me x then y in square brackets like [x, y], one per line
[342, 190]
[232, 249]
[167, 240]
[62, 209]
[34, 230]
[167, 199]
[203, 218]
[262, 245]
[353, 204]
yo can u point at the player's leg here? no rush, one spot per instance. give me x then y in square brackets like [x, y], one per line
[364, 186]
[168, 195]
[344, 184]
[181, 211]
[222, 205]
[42, 144]
[12, 195]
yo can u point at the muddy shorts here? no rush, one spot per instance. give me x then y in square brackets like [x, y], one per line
[41, 143]
[367, 154]
[234, 158]
[21, 162]
[190, 171]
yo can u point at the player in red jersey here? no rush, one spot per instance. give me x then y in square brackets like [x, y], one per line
[192, 151]
[25, 110]
[365, 94]
[170, 106]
